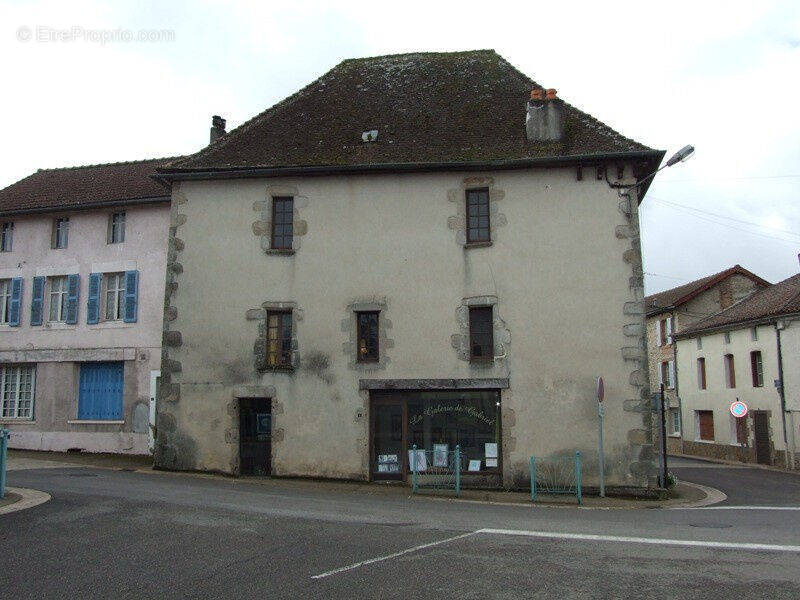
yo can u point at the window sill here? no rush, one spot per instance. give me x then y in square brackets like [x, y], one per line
[706, 441]
[280, 251]
[7, 327]
[111, 325]
[94, 422]
[674, 435]
[17, 421]
[478, 244]
[58, 325]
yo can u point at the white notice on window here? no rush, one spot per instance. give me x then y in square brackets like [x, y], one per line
[421, 464]
[490, 450]
[474, 465]
[491, 463]
[440, 455]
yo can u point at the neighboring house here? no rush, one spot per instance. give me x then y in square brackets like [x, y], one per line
[423, 249]
[674, 310]
[82, 273]
[748, 352]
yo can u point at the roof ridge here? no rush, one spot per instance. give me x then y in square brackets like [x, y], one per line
[424, 53]
[109, 164]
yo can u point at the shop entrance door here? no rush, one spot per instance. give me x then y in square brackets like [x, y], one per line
[388, 439]
[761, 433]
[255, 436]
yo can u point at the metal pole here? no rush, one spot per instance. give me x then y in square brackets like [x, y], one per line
[533, 479]
[458, 469]
[782, 393]
[414, 469]
[578, 479]
[602, 455]
[663, 441]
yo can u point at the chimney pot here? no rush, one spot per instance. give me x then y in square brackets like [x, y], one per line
[551, 94]
[544, 121]
[217, 128]
[537, 94]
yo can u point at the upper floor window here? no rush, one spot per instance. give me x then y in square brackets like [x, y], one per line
[6, 236]
[58, 299]
[279, 339]
[699, 343]
[665, 331]
[701, 373]
[5, 301]
[481, 333]
[730, 371]
[367, 336]
[478, 229]
[282, 222]
[116, 228]
[726, 337]
[16, 391]
[667, 374]
[114, 296]
[754, 334]
[60, 232]
[757, 369]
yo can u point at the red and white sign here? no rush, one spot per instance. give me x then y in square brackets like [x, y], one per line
[738, 409]
[601, 390]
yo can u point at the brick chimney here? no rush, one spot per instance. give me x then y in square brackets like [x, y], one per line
[544, 121]
[217, 128]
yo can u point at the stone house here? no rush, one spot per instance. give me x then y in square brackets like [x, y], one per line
[82, 273]
[747, 353]
[672, 311]
[424, 249]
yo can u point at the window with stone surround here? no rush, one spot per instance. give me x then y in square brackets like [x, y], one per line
[116, 228]
[279, 339]
[282, 222]
[60, 237]
[701, 373]
[730, 371]
[16, 391]
[757, 368]
[478, 216]
[367, 323]
[481, 333]
[6, 236]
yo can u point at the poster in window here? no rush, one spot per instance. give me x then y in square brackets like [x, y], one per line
[491, 463]
[490, 449]
[474, 465]
[421, 461]
[440, 452]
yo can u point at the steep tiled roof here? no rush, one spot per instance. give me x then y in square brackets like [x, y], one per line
[780, 299]
[78, 187]
[428, 108]
[669, 299]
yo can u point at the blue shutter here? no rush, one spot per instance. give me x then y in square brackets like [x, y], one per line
[131, 296]
[37, 301]
[73, 291]
[93, 304]
[100, 391]
[15, 303]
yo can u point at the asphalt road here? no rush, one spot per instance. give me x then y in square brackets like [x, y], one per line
[114, 534]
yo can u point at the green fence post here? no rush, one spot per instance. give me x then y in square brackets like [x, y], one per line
[457, 458]
[3, 455]
[414, 469]
[533, 479]
[578, 476]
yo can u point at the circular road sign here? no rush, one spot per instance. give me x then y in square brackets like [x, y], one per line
[601, 391]
[738, 409]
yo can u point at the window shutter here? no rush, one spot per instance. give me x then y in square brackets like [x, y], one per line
[660, 374]
[37, 301]
[93, 303]
[672, 373]
[73, 291]
[669, 330]
[660, 337]
[15, 302]
[131, 296]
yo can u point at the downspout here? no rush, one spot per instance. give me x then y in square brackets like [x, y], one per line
[778, 326]
[677, 380]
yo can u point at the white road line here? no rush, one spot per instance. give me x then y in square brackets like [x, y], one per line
[640, 540]
[393, 555]
[737, 508]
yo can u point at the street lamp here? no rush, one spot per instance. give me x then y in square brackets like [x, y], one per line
[680, 156]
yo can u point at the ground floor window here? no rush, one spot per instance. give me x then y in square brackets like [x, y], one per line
[704, 420]
[16, 386]
[675, 421]
[100, 391]
[436, 421]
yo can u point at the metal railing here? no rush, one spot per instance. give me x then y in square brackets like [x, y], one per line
[556, 475]
[4, 433]
[435, 469]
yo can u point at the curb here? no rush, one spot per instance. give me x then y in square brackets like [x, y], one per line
[713, 496]
[735, 463]
[30, 498]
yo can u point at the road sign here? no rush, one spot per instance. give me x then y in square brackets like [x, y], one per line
[601, 391]
[738, 409]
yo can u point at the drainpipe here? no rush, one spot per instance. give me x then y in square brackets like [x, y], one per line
[677, 385]
[779, 325]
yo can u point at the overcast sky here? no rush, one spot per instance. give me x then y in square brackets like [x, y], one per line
[723, 76]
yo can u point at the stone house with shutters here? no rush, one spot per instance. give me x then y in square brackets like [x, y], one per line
[746, 353]
[672, 311]
[82, 272]
[425, 250]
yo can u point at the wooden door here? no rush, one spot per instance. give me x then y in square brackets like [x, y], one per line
[761, 433]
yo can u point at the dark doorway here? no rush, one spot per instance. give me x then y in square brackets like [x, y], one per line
[761, 432]
[255, 436]
[388, 439]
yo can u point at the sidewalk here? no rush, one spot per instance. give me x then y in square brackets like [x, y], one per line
[684, 494]
[735, 463]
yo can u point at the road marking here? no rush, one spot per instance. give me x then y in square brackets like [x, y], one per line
[640, 540]
[393, 555]
[738, 508]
